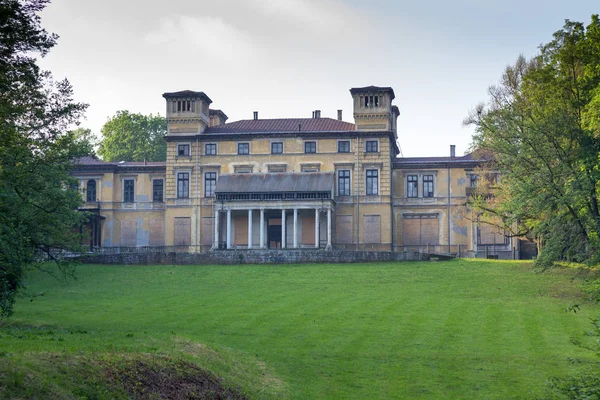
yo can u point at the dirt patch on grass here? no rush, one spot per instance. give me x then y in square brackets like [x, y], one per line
[251, 372]
[166, 378]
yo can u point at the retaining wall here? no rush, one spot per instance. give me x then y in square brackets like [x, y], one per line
[229, 257]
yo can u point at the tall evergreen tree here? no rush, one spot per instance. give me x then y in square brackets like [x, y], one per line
[37, 146]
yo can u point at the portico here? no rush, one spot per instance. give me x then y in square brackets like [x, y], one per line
[296, 213]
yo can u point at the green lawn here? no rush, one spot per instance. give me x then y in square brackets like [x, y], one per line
[459, 329]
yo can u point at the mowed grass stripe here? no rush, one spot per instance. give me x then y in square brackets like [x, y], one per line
[461, 329]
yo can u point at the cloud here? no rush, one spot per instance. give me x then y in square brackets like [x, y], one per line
[214, 38]
[322, 16]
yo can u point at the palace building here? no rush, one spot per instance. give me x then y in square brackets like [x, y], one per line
[293, 183]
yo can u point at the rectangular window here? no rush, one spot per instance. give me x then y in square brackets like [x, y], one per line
[243, 169]
[427, 185]
[277, 148]
[376, 101]
[210, 149]
[372, 182]
[183, 150]
[310, 168]
[243, 148]
[412, 186]
[372, 146]
[210, 182]
[473, 180]
[183, 185]
[344, 146]
[277, 167]
[344, 182]
[420, 230]
[491, 235]
[310, 147]
[128, 191]
[157, 190]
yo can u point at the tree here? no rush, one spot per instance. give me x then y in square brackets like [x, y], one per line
[541, 127]
[134, 137]
[86, 139]
[37, 146]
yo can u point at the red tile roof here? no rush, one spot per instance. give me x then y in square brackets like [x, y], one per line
[283, 125]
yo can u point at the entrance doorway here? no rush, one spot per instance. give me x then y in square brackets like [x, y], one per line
[274, 233]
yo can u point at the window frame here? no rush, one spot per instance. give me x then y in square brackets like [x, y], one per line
[87, 191]
[243, 169]
[276, 143]
[184, 146]
[242, 144]
[371, 141]
[504, 243]
[162, 190]
[310, 142]
[206, 153]
[126, 198]
[348, 178]
[344, 142]
[206, 191]
[178, 189]
[409, 193]
[310, 167]
[277, 168]
[368, 188]
[427, 193]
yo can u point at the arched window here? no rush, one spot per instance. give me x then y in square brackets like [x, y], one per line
[91, 190]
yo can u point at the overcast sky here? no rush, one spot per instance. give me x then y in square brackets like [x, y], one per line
[285, 58]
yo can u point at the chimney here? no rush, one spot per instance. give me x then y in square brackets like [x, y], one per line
[339, 115]
[255, 115]
[317, 113]
[452, 150]
[313, 115]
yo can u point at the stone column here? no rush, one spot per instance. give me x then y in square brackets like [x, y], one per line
[262, 228]
[216, 238]
[250, 228]
[317, 214]
[295, 228]
[228, 229]
[329, 229]
[283, 241]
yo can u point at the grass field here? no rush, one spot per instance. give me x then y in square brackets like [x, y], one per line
[458, 329]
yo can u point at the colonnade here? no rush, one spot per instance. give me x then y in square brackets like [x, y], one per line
[261, 244]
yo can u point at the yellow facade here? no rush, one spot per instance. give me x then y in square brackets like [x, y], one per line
[378, 201]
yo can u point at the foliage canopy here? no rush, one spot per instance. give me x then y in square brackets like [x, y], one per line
[37, 147]
[541, 129]
[134, 137]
